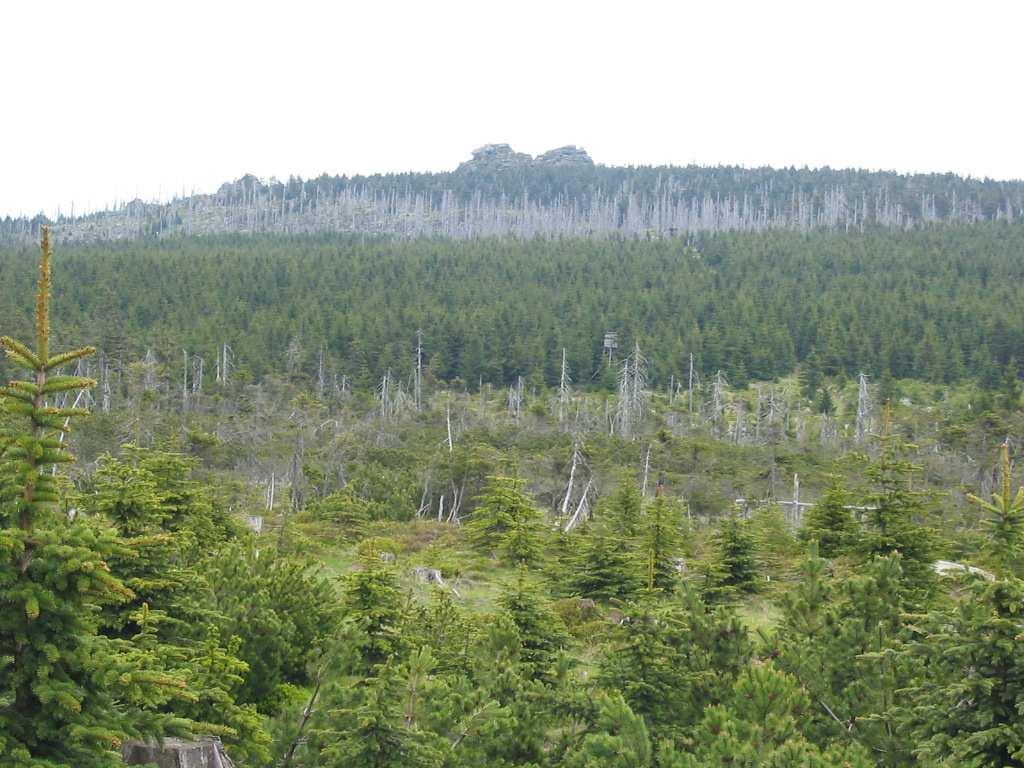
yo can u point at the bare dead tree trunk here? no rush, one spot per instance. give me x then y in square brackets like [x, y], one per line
[184, 382]
[105, 383]
[647, 470]
[563, 390]
[719, 394]
[385, 396]
[632, 392]
[149, 378]
[865, 409]
[515, 399]
[572, 479]
[418, 394]
[448, 424]
[582, 509]
[797, 513]
[197, 375]
[295, 491]
[689, 387]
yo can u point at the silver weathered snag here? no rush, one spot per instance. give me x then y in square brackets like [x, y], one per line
[515, 399]
[564, 392]
[149, 367]
[739, 426]
[448, 424]
[828, 430]
[633, 394]
[577, 461]
[689, 387]
[296, 476]
[184, 382]
[105, 388]
[225, 359]
[293, 356]
[321, 371]
[865, 409]
[719, 396]
[647, 470]
[418, 386]
[197, 374]
[385, 395]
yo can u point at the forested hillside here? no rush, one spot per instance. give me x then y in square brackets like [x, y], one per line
[940, 305]
[351, 501]
[560, 193]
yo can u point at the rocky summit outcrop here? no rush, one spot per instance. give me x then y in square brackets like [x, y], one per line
[501, 157]
[496, 157]
[562, 156]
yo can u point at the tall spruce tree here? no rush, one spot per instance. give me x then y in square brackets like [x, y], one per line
[603, 568]
[840, 640]
[618, 739]
[1005, 521]
[624, 509]
[670, 661]
[661, 544]
[965, 707]
[734, 568]
[68, 694]
[506, 521]
[829, 522]
[541, 632]
[896, 516]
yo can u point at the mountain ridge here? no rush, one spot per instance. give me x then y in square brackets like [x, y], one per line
[559, 193]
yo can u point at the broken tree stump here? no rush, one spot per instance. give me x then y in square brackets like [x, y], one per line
[177, 753]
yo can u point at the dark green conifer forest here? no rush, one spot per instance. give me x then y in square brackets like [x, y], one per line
[365, 501]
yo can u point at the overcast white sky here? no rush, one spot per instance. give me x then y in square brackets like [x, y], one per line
[112, 100]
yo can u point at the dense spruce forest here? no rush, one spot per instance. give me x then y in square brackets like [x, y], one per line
[941, 305]
[354, 500]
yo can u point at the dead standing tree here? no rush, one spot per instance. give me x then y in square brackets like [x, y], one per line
[739, 424]
[633, 394]
[719, 399]
[321, 371]
[865, 409]
[225, 363]
[828, 431]
[564, 391]
[578, 501]
[197, 375]
[150, 369]
[392, 396]
[418, 383]
[293, 356]
[692, 382]
[515, 399]
[184, 382]
[574, 500]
